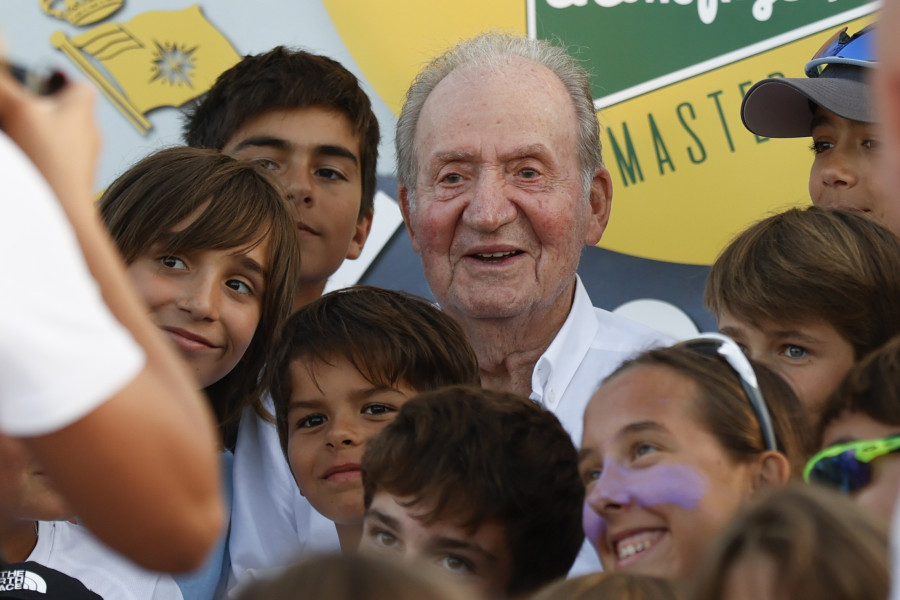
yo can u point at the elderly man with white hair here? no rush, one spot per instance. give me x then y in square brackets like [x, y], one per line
[502, 183]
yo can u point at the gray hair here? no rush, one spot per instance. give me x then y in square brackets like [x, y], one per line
[494, 50]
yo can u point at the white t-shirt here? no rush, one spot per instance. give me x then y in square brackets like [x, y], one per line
[72, 550]
[62, 353]
[271, 523]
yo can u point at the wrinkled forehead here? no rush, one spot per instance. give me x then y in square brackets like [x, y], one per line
[487, 113]
[511, 82]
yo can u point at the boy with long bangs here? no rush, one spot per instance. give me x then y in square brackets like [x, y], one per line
[808, 293]
[483, 484]
[306, 118]
[344, 366]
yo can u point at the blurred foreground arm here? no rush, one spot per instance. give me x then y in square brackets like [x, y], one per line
[140, 466]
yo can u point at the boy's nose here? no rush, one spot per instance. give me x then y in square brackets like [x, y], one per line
[298, 185]
[839, 171]
[342, 434]
[199, 298]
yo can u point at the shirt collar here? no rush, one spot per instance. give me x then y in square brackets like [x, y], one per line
[557, 365]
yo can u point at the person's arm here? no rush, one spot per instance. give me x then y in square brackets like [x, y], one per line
[142, 469]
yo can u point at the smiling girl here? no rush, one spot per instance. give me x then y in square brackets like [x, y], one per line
[674, 443]
[212, 250]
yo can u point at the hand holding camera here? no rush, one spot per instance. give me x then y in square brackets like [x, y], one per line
[57, 131]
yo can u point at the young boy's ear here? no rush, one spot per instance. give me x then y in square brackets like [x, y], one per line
[360, 234]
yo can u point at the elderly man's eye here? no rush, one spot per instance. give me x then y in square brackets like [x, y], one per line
[451, 179]
[528, 173]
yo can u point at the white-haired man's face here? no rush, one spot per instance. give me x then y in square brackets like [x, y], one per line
[501, 212]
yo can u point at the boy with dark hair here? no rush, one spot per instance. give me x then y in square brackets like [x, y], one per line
[808, 293]
[859, 430]
[306, 118]
[485, 484]
[344, 366]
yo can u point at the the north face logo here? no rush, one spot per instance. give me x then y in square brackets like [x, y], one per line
[20, 579]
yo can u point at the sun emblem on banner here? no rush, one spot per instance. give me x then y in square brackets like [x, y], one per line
[137, 72]
[173, 64]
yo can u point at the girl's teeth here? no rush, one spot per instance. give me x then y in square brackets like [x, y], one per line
[636, 544]
[632, 549]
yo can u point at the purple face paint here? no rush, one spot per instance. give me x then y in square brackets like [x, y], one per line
[658, 484]
[594, 526]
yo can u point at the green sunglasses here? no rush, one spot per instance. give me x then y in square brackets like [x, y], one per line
[847, 466]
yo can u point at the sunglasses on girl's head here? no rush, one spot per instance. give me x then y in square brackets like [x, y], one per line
[848, 467]
[857, 49]
[716, 344]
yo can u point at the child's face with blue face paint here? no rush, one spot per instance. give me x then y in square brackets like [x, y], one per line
[659, 485]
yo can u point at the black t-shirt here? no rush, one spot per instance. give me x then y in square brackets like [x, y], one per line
[32, 581]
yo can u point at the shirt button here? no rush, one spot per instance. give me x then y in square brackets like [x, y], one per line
[551, 398]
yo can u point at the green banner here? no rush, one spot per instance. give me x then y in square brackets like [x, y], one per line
[627, 43]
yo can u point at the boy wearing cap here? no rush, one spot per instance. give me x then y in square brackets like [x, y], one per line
[833, 105]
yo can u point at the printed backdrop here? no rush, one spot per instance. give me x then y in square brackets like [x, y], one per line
[668, 76]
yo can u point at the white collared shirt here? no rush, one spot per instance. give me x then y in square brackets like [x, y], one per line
[591, 344]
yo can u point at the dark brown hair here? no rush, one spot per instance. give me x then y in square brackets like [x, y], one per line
[820, 544]
[477, 456]
[388, 336]
[871, 388]
[285, 79]
[813, 264]
[353, 577]
[236, 204]
[723, 409]
[612, 586]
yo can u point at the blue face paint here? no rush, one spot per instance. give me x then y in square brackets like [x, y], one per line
[650, 486]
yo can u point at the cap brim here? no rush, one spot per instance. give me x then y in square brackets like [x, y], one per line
[780, 108]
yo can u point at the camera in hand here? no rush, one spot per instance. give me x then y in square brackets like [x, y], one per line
[42, 83]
